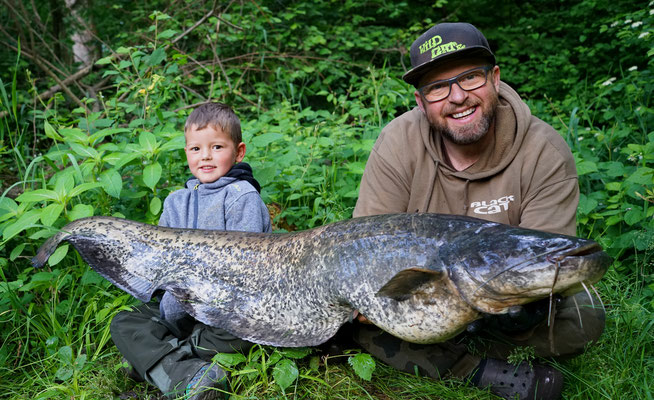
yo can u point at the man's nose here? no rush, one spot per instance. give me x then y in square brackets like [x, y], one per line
[457, 94]
[205, 153]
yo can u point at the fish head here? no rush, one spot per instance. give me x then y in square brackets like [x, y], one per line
[519, 266]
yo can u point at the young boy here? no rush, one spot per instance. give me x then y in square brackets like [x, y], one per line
[163, 344]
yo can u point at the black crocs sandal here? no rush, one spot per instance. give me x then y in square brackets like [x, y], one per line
[523, 382]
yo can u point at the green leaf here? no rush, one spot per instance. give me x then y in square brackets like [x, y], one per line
[26, 220]
[363, 365]
[80, 361]
[156, 57]
[58, 255]
[37, 195]
[79, 189]
[112, 182]
[118, 160]
[285, 373]
[64, 373]
[168, 33]
[50, 214]
[124, 64]
[65, 354]
[10, 286]
[65, 183]
[174, 143]
[586, 205]
[229, 359]
[148, 142]
[84, 151]
[266, 139]
[586, 167]
[155, 205]
[642, 176]
[104, 60]
[101, 134]
[634, 216]
[8, 204]
[74, 135]
[295, 352]
[18, 250]
[80, 211]
[152, 174]
[50, 132]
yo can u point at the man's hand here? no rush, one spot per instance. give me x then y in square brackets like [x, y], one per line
[518, 319]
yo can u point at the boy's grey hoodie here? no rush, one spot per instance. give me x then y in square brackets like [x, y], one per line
[226, 204]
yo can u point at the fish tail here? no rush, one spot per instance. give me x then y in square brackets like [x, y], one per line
[47, 248]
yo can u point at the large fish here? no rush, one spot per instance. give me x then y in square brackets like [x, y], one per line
[420, 277]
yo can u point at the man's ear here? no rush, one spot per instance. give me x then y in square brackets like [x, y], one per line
[419, 101]
[240, 152]
[495, 77]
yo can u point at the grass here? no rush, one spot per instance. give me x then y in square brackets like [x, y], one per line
[35, 367]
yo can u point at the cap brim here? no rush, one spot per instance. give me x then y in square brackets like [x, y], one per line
[414, 75]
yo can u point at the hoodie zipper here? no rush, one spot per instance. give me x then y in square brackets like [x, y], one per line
[196, 194]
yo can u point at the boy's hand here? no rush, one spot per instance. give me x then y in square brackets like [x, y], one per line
[362, 319]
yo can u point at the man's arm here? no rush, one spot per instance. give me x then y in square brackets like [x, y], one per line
[382, 189]
[553, 208]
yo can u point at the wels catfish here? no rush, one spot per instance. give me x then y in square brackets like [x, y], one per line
[421, 277]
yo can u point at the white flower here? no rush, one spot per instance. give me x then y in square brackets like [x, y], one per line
[628, 21]
[608, 82]
[636, 24]
[613, 25]
[651, 12]
[634, 68]
[642, 35]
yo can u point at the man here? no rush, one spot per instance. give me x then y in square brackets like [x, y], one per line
[472, 147]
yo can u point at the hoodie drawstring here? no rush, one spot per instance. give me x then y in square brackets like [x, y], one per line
[196, 194]
[432, 182]
[465, 197]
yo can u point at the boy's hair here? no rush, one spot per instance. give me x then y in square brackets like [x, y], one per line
[216, 115]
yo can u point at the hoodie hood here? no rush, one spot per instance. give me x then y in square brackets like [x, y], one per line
[512, 119]
[239, 172]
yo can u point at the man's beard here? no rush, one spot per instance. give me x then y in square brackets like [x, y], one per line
[470, 133]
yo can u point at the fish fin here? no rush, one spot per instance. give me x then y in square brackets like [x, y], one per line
[404, 283]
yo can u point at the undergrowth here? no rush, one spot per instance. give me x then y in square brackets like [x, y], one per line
[313, 83]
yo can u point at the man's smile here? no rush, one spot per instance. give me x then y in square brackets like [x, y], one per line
[464, 113]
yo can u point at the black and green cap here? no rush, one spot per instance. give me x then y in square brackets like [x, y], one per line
[444, 42]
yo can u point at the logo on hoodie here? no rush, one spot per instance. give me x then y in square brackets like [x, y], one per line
[493, 206]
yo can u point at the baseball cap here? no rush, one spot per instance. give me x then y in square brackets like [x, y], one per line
[443, 42]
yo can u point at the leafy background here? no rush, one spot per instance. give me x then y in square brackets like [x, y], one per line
[313, 83]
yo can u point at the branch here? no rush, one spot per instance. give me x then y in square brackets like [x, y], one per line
[198, 23]
[54, 89]
[63, 86]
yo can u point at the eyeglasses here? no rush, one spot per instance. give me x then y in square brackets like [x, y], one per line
[469, 80]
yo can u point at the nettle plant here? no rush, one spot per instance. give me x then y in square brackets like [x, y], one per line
[254, 373]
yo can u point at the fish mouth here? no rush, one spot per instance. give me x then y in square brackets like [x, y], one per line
[580, 251]
[573, 269]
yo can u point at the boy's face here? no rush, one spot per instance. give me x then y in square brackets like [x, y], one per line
[210, 152]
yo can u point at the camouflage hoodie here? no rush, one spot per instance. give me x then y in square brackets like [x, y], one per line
[526, 177]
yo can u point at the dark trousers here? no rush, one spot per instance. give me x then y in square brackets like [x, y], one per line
[168, 355]
[570, 330]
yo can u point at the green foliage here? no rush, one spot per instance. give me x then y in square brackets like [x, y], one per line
[313, 83]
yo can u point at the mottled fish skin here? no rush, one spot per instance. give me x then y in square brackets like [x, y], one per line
[420, 277]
